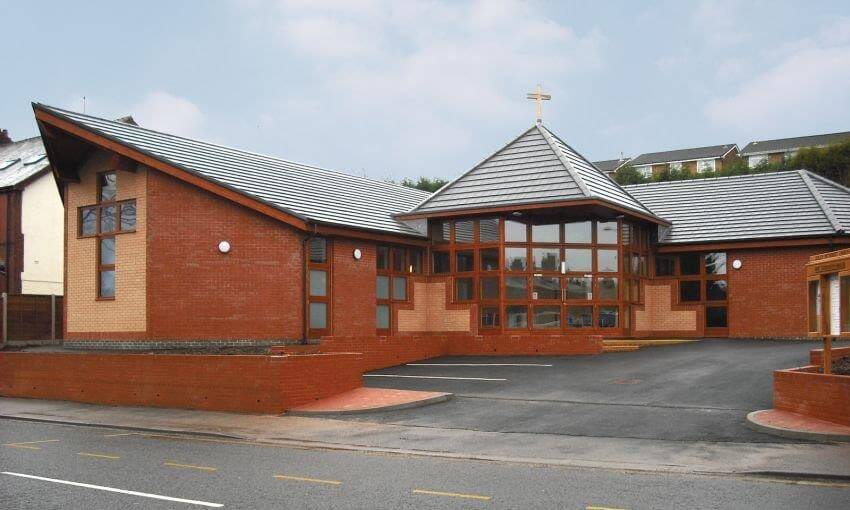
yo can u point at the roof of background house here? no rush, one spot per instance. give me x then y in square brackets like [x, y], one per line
[536, 167]
[21, 160]
[713, 151]
[610, 165]
[316, 194]
[748, 207]
[787, 144]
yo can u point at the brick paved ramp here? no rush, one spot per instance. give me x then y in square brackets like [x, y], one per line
[367, 400]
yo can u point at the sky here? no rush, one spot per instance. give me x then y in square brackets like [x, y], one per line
[395, 89]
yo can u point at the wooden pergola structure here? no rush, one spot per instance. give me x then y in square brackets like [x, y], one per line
[828, 277]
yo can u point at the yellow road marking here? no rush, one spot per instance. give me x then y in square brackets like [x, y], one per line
[602, 508]
[303, 479]
[99, 455]
[25, 444]
[121, 434]
[452, 494]
[189, 466]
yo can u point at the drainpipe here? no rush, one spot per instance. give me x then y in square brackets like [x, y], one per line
[305, 322]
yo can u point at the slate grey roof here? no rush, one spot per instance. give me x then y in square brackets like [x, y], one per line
[21, 160]
[713, 151]
[536, 167]
[748, 207]
[789, 144]
[312, 193]
[610, 165]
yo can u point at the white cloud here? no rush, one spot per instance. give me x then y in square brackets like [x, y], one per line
[419, 74]
[165, 112]
[717, 21]
[807, 89]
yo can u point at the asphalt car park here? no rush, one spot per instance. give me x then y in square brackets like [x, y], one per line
[699, 391]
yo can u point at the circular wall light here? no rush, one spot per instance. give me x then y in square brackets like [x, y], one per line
[224, 247]
[736, 264]
[357, 254]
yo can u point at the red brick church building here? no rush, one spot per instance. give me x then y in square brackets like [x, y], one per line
[172, 241]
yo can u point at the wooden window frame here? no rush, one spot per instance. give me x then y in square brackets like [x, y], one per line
[99, 234]
[327, 299]
[101, 268]
[391, 274]
[703, 278]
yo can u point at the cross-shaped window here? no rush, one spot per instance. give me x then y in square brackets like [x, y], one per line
[102, 221]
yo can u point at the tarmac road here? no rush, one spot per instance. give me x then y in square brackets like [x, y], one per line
[39, 463]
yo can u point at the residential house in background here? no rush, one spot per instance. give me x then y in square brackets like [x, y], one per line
[778, 150]
[610, 166]
[696, 160]
[31, 220]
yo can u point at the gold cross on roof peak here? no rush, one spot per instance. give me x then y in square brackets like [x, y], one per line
[539, 97]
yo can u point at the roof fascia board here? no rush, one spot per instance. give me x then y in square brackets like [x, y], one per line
[827, 210]
[179, 172]
[453, 213]
[787, 149]
[564, 161]
[331, 230]
[448, 184]
[753, 244]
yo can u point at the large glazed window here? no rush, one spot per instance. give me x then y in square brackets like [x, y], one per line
[543, 273]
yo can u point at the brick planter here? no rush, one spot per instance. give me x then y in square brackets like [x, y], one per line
[805, 391]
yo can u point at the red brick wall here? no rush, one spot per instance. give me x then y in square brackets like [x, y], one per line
[250, 384]
[386, 351]
[353, 310]
[767, 296]
[381, 352]
[196, 292]
[801, 391]
[512, 344]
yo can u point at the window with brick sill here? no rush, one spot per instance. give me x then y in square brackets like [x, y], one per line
[103, 221]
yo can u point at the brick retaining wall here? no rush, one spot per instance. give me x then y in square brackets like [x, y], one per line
[249, 384]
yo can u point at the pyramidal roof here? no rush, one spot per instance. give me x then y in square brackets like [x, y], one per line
[537, 167]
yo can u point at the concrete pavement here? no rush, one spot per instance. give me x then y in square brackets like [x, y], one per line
[47, 466]
[826, 460]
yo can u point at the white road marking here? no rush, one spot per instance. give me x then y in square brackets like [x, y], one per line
[120, 491]
[477, 365]
[434, 377]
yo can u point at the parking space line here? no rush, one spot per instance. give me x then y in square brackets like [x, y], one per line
[434, 377]
[452, 494]
[28, 444]
[120, 491]
[304, 479]
[99, 455]
[189, 466]
[22, 446]
[478, 365]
